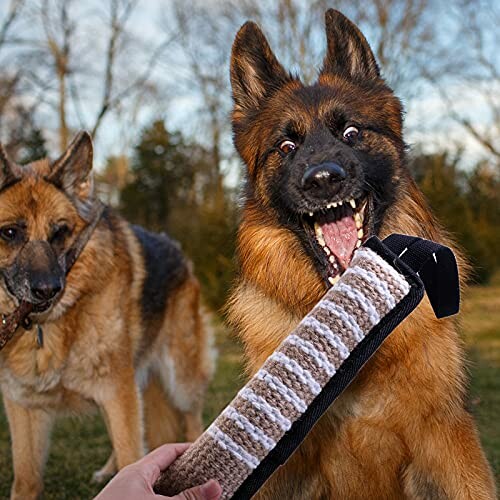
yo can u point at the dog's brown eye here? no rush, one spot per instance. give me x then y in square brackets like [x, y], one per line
[287, 146]
[60, 233]
[9, 233]
[350, 133]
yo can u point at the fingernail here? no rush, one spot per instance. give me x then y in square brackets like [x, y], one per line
[211, 490]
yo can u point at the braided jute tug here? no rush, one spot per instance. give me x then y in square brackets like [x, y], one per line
[259, 430]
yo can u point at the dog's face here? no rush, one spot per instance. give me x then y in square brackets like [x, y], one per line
[42, 208]
[324, 159]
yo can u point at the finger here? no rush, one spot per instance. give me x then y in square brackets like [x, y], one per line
[163, 456]
[211, 490]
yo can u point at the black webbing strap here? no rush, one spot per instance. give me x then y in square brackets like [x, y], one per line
[424, 263]
[436, 266]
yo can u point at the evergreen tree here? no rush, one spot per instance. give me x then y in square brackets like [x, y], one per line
[173, 189]
[468, 206]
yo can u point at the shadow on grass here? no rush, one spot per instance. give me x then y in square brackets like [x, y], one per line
[80, 445]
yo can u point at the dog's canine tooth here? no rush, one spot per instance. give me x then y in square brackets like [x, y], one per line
[353, 203]
[360, 233]
[358, 243]
[319, 234]
[333, 280]
[359, 220]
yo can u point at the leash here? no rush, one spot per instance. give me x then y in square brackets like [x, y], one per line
[273, 413]
[20, 316]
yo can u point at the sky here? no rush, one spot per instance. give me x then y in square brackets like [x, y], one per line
[426, 122]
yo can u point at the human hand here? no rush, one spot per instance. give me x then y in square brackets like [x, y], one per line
[135, 482]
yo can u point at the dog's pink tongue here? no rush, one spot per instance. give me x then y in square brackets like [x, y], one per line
[341, 237]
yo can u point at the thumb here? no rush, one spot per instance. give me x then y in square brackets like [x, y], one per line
[211, 490]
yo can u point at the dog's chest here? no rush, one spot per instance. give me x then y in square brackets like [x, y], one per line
[53, 375]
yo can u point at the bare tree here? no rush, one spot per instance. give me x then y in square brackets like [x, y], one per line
[399, 30]
[469, 72]
[13, 12]
[96, 65]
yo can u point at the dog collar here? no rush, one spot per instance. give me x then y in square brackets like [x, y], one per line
[20, 316]
[268, 419]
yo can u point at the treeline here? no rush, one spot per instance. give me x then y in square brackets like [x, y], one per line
[169, 184]
[468, 205]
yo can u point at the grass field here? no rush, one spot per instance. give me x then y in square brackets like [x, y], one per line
[80, 446]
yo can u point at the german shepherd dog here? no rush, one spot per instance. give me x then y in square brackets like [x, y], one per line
[122, 331]
[326, 169]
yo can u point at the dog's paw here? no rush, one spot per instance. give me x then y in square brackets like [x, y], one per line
[104, 473]
[101, 476]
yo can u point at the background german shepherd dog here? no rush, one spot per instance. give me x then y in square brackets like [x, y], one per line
[325, 170]
[123, 330]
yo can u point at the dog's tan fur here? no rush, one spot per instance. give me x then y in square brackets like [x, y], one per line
[99, 350]
[400, 430]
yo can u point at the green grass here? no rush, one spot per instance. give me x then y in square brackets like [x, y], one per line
[481, 331]
[80, 445]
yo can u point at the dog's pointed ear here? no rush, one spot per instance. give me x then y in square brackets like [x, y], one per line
[10, 172]
[347, 52]
[255, 72]
[72, 172]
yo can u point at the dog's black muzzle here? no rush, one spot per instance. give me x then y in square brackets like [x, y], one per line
[36, 275]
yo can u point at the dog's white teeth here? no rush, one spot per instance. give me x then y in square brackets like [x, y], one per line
[311, 214]
[340, 202]
[319, 234]
[358, 218]
[334, 204]
[326, 250]
[333, 260]
[353, 203]
[360, 233]
[333, 280]
[358, 243]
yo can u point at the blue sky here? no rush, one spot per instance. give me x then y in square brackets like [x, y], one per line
[427, 124]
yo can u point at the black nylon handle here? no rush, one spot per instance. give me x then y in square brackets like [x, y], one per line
[436, 266]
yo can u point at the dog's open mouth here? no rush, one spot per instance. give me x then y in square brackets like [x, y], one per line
[335, 232]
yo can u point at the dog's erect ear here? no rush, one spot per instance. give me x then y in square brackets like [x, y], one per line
[347, 52]
[9, 171]
[255, 72]
[72, 172]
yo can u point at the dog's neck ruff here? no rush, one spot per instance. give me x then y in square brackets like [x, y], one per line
[20, 316]
[263, 425]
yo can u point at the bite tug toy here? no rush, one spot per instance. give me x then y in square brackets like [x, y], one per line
[263, 425]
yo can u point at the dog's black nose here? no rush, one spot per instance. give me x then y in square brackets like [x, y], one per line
[323, 181]
[46, 290]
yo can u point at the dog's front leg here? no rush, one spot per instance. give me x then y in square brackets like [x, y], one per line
[448, 462]
[123, 409]
[30, 433]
